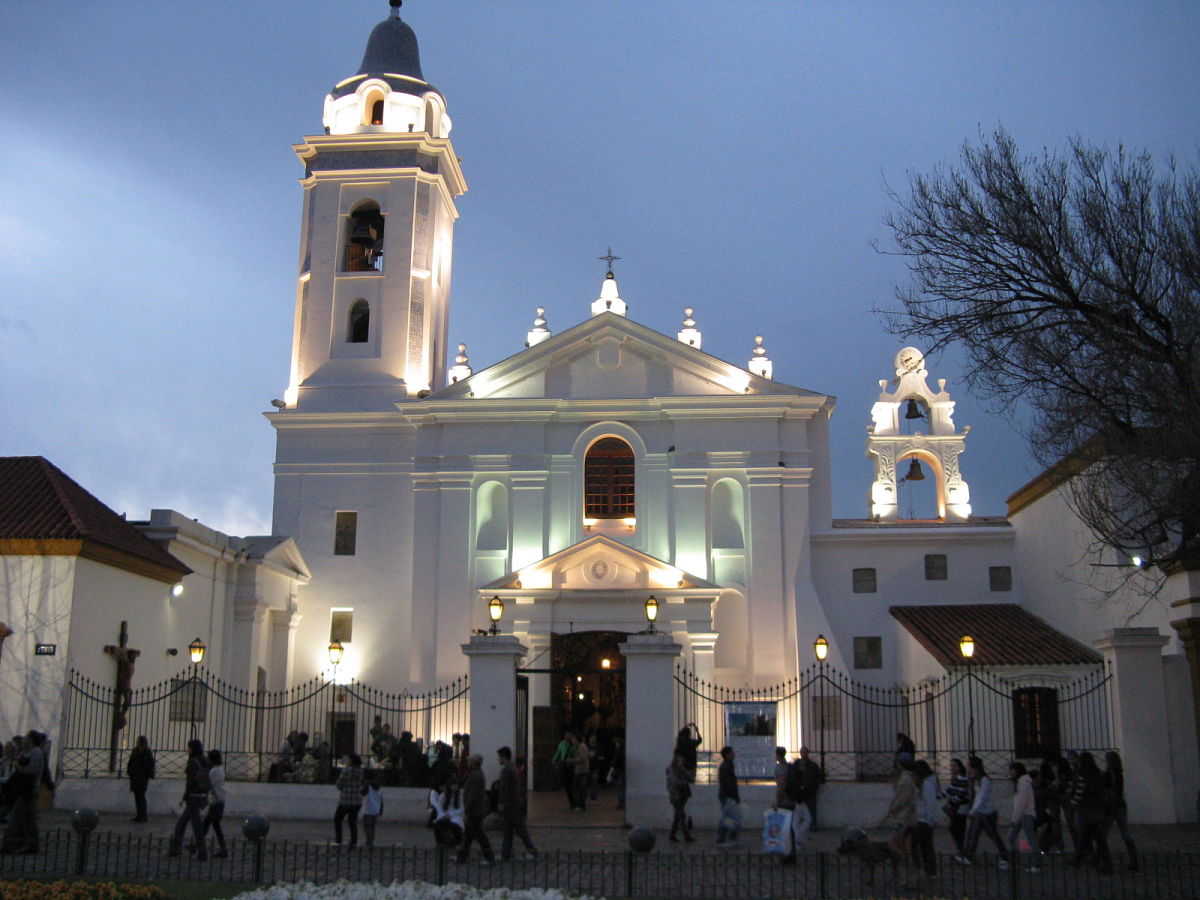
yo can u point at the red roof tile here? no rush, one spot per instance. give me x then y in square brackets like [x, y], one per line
[38, 502]
[1005, 635]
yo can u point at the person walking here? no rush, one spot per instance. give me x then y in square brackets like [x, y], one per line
[564, 763]
[513, 806]
[729, 798]
[583, 772]
[1116, 810]
[350, 794]
[686, 744]
[1088, 797]
[927, 811]
[982, 816]
[448, 821]
[679, 790]
[1024, 816]
[790, 780]
[901, 813]
[216, 809]
[474, 793]
[21, 835]
[958, 802]
[195, 798]
[372, 807]
[140, 770]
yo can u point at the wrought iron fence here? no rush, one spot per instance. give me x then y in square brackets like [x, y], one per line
[851, 728]
[658, 874]
[249, 727]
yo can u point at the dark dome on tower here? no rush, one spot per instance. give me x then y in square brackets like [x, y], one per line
[392, 49]
[392, 55]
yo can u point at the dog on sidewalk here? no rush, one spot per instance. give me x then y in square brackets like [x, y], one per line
[871, 854]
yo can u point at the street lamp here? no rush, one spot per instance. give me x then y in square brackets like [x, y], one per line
[966, 646]
[196, 650]
[821, 650]
[495, 611]
[651, 613]
[336, 650]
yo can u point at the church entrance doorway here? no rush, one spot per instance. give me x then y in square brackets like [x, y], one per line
[587, 696]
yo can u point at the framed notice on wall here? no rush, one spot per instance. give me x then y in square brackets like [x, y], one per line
[750, 731]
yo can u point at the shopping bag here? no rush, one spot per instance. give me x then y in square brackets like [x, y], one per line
[777, 832]
[731, 817]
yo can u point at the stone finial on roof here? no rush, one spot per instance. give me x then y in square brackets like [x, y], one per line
[690, 334]
[760, 363]
[461, 368]
[539, 332]
[609, 299]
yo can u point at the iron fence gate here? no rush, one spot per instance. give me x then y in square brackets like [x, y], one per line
[248, 726]
[851, 728]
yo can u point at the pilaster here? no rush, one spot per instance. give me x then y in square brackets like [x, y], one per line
[649, 725]
[1140, 724]
[493, 662]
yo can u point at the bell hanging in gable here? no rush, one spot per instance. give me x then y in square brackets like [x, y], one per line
[914, 410]
[914, 471]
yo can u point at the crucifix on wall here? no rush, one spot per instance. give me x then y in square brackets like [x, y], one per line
[125, 657]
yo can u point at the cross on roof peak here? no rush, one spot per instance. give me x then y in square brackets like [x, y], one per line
[609, 258]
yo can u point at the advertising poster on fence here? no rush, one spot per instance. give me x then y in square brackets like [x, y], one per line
[750, 729]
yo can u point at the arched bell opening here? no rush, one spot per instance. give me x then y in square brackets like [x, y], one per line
[914, 416]
[920, 487]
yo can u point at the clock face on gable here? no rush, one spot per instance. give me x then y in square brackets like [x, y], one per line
[909, 360]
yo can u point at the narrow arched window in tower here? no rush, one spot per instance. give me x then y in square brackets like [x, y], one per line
[431, 118]
[364, 239]
[358, 322]
[608, 480]
[377, 112]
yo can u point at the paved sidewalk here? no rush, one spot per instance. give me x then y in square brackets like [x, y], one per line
[553, 827]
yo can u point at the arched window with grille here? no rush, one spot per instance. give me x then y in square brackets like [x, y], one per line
[608, 480]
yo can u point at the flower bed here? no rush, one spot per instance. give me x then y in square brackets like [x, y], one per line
[79, 890]
[397, 890]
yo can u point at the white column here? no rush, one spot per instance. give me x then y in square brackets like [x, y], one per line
[493, 664]
[649, 726]
[1140, 727]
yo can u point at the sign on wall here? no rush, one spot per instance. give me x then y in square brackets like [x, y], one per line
[750, 731]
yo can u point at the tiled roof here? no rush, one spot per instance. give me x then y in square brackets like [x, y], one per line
[1004, 633]
[42, 507]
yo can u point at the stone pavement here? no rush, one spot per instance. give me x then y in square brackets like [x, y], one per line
[553, 827]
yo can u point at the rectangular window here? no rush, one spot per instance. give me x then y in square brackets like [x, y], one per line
[345, 534]
[1035, 722]
[868, 653]
[1000, 578]
[864, 581]
[189, 701]
[935, 567]
[341, 625]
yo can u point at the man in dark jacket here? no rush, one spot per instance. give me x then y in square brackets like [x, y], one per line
[513, 806]
[195, 798]
[21, 836]
[474, 793]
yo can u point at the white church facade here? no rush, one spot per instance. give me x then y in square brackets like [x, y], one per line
[596, 468]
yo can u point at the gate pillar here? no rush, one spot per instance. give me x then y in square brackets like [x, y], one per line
[1140, 722]
[493, 666]
[649, 725]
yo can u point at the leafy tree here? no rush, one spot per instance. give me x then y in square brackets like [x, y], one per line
[1072, 282]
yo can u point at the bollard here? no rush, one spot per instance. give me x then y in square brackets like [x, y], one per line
[255, 828]
[83, 823]
[641, 840]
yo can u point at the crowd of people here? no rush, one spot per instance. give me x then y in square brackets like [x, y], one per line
[1070, 795]
[24, 770]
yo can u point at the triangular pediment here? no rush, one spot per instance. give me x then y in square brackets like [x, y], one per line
[599, 564]
[610, 356]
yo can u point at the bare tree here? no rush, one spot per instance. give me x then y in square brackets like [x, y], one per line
[1072, 282]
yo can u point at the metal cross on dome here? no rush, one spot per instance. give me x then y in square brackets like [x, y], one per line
[609, 258]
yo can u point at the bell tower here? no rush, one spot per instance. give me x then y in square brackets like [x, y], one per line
[377, 235]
